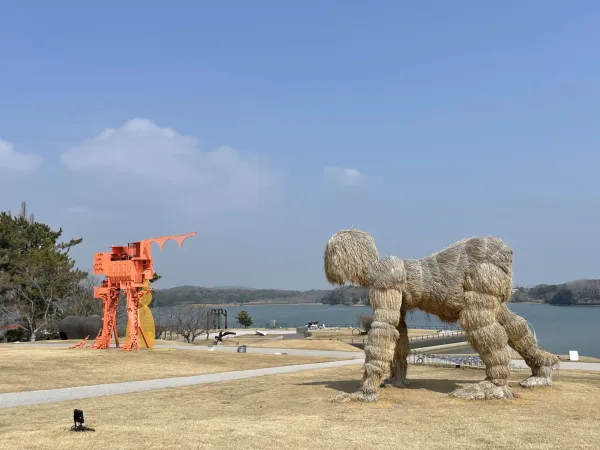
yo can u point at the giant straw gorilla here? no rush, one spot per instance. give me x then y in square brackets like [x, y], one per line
[469, 282]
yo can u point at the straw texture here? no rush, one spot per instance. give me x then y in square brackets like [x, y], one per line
[349, 255]
[468, 282]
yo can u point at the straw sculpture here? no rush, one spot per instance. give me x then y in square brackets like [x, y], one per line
[469, 283]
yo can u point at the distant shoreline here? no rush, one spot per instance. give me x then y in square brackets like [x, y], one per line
[235, 305]
[549, 304]
[224, 305]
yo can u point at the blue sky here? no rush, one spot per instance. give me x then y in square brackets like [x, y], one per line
[267, 126]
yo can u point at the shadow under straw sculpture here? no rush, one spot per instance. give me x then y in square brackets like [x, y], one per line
[469, 282]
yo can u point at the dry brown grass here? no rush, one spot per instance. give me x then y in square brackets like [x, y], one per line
[25, 369]
[292, 412]
[299, 344]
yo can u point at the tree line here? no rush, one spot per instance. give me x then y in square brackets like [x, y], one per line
[222, 296]
[578, 292]
[347, 296]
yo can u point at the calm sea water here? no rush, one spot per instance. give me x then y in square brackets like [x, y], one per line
[558, 329]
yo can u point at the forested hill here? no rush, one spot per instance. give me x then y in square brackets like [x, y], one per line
[579, 292]
[234, 295]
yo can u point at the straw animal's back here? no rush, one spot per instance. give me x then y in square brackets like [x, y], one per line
[437, 283]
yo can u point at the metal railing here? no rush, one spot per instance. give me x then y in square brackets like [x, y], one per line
[350, 325]
[463, 362]
[431, 337]
[434, 327]
[425, 337]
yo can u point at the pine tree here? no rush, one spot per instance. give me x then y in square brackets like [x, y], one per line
[244, 319]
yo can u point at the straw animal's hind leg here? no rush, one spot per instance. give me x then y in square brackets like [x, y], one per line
[381, 341]
[488, 338]
[542, 363]
[399, 366]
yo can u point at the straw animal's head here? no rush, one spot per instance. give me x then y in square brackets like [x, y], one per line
[349, 256]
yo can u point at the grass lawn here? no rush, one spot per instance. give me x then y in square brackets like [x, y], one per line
[25, 369]
[292, 411]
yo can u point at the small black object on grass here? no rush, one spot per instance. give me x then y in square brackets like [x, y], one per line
[78, 419]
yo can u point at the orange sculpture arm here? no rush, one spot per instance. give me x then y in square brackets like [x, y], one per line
[162, 240]
[146, 249]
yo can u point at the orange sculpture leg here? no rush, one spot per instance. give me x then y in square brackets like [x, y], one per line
[81, 343]
[109, 322]
[133, 316]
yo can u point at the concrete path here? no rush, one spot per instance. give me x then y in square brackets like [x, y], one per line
[271, 351]
[249, 332]
[565, 365]
[227, 349]
[101, 390]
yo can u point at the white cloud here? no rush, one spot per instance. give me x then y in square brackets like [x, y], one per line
[165, 159]
[345, 177]
[16, 161]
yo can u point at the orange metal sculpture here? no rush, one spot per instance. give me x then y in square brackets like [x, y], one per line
[127, 267]
[81, 343]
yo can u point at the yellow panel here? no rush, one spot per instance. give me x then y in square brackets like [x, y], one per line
[146, 320]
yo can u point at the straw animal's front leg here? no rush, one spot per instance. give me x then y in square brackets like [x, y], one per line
[400, 364]
[381, 342]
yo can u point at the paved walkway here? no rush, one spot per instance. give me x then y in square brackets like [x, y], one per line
[101, 390]
[227, 349]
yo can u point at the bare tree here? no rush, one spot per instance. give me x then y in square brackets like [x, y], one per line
[23, 213]
[189, 321]
[364, 323]
[6, 318]
[161, 322]
[81, 302]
